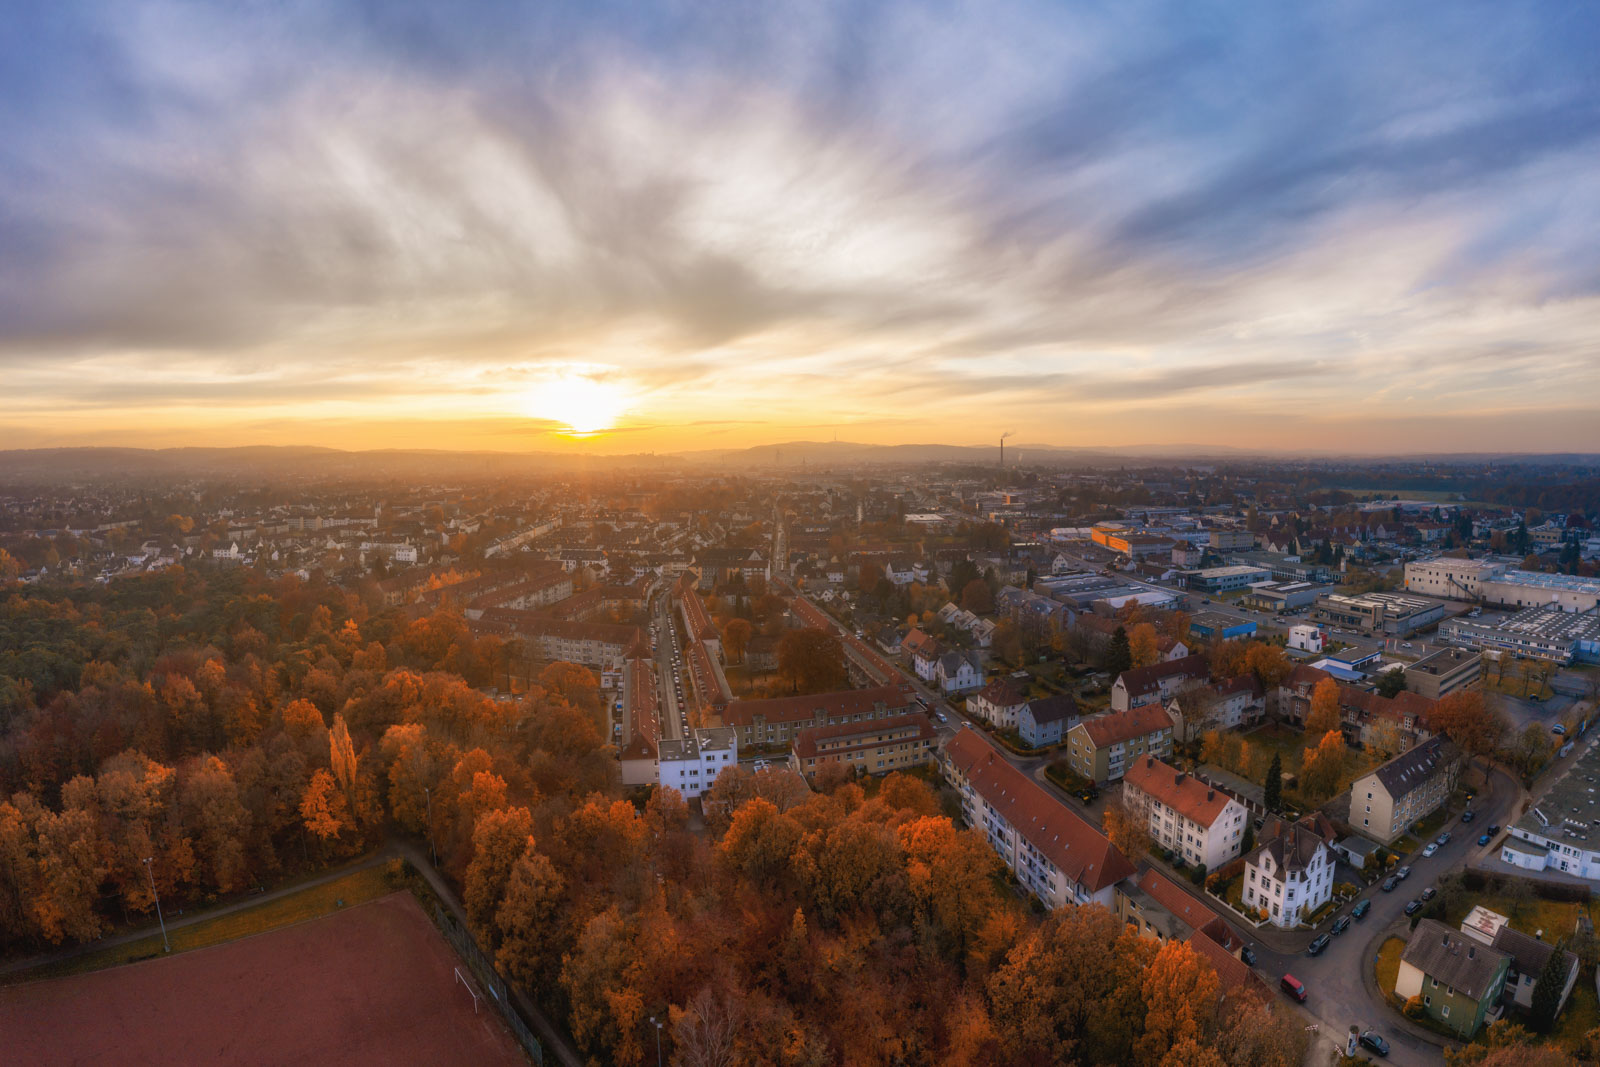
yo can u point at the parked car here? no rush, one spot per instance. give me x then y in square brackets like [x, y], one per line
[1370, 1039]
[1468, 815]
[1248, 955]
[1316, 947]
[1359, 912]
[1293, 986]
[1403, 873]
[1558, 729]
[1413, 907]
[1430, 850]
[1494, 828]
[1484, 839]
[1429, 893]
[1389, 884]
[1340, 925]
[1443, 839]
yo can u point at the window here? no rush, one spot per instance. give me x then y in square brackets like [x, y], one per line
[1445, 1011]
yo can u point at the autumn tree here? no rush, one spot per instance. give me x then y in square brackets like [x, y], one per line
[735, 637]
[811, 660]
[1127, 831]
[342, 754]
[976, 597]
[1268, 663]
[1181, 994]
[1469, 721]
[1323, 766]
[1324, 714]
[499, 839]
[1143, 649]
[950, 874]
[527, 920]
[323, 807]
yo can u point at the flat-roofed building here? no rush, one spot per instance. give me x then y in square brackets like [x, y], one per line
[1535, 633]
[1056, 854]
[875, 747]
[1500, 584]
[1231, 540]
[1225, 579]
[1445, 671]
[692, 764]
[1281, 597]
[1378, 614]
[1182, 814]
[1560, 833]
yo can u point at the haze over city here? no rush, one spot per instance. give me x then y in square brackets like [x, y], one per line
[702, 226]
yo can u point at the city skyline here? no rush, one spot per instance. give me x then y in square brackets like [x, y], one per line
[592, 228]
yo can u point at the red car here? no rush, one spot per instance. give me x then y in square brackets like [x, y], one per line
[1294, 987]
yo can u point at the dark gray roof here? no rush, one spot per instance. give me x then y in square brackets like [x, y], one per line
[1529, 955]
[1411, 770]
[1053, 708]
[1454, 958]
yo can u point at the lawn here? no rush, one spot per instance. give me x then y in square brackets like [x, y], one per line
[1555, 917]
[1581, 1015]
[1290, 745]
[1389, 965]
[354, 888]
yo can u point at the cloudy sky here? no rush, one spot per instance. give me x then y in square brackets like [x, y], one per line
[372, 224]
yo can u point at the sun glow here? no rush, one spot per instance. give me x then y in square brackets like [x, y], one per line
[585, 405]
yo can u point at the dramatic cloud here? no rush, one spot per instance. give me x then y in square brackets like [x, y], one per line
[1245, 223]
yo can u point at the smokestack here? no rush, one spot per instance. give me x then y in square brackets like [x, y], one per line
[1211, 794]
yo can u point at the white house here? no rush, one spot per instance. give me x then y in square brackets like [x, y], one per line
[997, 704]
[1197, 821]
[1306, 638]
[692, 764]
[960, 671]
[1291, 873]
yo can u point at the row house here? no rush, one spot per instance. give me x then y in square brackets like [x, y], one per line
[779, 719]
[1056, 854]
[875, 747]
[1156, 683]
[1231, 705]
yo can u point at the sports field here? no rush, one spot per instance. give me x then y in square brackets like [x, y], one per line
[371, 985]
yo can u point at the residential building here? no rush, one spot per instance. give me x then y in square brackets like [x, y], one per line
[1378, 614]
[1443, 672]
[1230, 705]
[1232, 540]
[692, 764]
[877, 746]
[1056, 854]
[779, 719]
[1160, 909]
[1543, 633]
[1046, 720]
[1290, 874]
[1102, 748]
[959, 672]
[997, 704]
[1529, 956]
[1182, 814]
[923, 650]
[1158, 682]
[602, 645]
[1458, 979]
[1385, 802]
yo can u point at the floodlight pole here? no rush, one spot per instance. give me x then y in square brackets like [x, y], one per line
[427, 794]
[658, 1040]
[150, 873]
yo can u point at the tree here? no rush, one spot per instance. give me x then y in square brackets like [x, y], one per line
[499, 839]
[1272, 793]
[1268, 663]
[526, 919]
[735, 638]
[1392, 683]
[1142, 647]
[1469, 722]
[1181, 992]
[1547, 991]
[976, 597]
[323, 806]
[1126, 830]
[342, 754]
[811, 660]
[1119, 655]
[1324, 714]
[1323, 766]
[1530, 749]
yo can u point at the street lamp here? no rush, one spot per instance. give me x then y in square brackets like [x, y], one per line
[658, 1040]
[150, 873]
[427, 795]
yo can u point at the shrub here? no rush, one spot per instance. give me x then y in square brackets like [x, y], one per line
[1198, 875]
[1413, 1007]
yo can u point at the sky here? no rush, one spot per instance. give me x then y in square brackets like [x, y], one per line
[693, 224]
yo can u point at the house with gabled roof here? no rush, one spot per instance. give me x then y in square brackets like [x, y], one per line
[1290, 874]
[1157, 682]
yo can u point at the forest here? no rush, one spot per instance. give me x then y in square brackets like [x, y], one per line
[234, 731]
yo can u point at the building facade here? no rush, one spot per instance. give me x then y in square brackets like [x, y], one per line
[1290, 874]
[1384, 803]
[1102, 748]
[1443, 672]
[1182, 814]
[875, 747]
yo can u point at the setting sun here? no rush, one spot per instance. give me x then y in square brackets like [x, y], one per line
[583, 404]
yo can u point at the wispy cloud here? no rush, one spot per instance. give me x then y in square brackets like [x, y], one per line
[904, 218]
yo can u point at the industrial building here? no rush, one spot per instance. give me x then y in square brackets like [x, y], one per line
[1378, 614]
[1500, 584]
[1534, 633]
[1225, 579]
[1281, 597]
[1443, 672]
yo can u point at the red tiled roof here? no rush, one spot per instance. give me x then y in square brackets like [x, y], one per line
[911, 727]
[1118, 726]
[1001, 693]
[1189, 796]
[1075, 846]
[803, 708]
